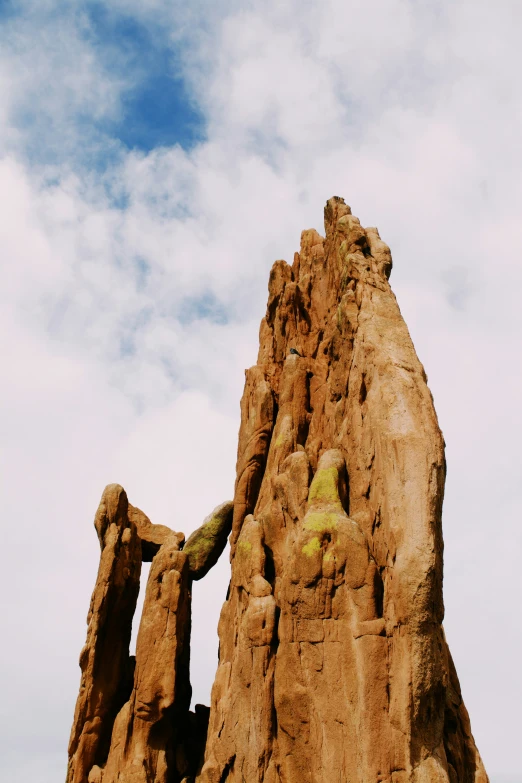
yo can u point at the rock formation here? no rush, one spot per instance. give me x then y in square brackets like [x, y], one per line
[333, 664]
[132, 721]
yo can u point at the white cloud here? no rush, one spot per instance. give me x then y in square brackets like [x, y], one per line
[112, 370]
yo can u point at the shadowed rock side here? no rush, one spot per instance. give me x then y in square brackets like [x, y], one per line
[132, 722]
[333, 662]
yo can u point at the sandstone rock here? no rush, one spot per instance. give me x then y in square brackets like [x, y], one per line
[333, 662]
[144, 747]
[106, 668]
[151, 536]
[257, 421]
[207, 543]
[132, 722]
[333, 665]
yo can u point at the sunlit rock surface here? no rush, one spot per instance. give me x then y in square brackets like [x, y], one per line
[333, 665]
[333, 662]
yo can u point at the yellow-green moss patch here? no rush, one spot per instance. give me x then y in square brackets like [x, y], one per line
[320, 521]
[280, 439]
[313, 546]
[206, 544]
[324, 486]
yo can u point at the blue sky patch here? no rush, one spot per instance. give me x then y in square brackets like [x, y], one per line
[7, 8]
[205, 307]
[151, 105]
[157, 108]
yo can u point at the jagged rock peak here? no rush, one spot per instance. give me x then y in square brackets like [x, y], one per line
[333, 662]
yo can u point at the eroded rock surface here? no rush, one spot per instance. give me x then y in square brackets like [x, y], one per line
[152, 536]
[107, 670]
[333, 665]
[145, 743]
[333, 662]
[132, 722]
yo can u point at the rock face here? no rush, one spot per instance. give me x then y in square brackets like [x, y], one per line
[106, 667]
[147, 730]
[333, 662]
[132, 722]
[333, 665]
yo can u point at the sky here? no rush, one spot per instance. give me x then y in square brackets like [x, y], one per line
[156, 157]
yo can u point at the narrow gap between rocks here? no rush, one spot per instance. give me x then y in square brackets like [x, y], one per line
[145, 568]
[208, 597]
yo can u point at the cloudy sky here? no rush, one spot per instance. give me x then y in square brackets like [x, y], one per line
[156, 157]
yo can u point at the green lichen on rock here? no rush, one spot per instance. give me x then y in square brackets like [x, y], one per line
[206, 544]
[245, 547]
[320, 521]
[285, 431]
[313, 546]
[345, 275]
[280, 439]
[324, 487]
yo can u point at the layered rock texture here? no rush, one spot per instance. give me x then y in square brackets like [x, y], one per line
[333, 666]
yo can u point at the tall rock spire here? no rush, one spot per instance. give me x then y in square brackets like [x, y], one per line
[333, 665]
[333, 662]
